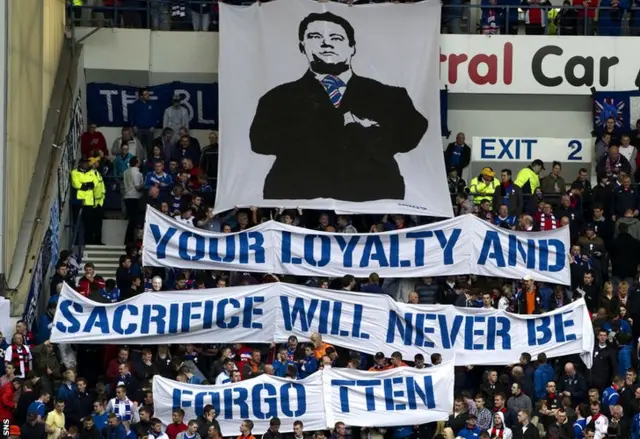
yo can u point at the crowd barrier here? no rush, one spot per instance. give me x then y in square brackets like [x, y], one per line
[456, 18]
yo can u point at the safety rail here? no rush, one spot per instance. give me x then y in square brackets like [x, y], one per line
[157, 15]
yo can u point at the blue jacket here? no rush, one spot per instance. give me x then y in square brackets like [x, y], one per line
[100, 421]
[121, 164]
[467, 433]
[543, 374]
[578, 428]
[635, 426]
[151, 179]
[118, 432]
[610, 20]
[65, 393]
[610, 397]
[44, 328]
[143, 115]
[280, 368]
[310, 365]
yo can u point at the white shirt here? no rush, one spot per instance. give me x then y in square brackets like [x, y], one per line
[111, 408]
[132, 178]
[223, 378]
[601, 426]
[27, 357]
[627, 152]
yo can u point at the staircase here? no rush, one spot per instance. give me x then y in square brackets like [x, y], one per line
[104, 257]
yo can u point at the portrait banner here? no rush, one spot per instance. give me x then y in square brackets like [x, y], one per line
[327, 106]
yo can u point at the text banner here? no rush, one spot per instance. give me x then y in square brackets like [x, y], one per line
[109, 105]
[458, 246]
[401, 396]
[528, 149]
[358, 321]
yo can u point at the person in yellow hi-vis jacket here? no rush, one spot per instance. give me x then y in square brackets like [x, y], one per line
[99, 192]
[83, 181]
[528, 180]
[483, 186]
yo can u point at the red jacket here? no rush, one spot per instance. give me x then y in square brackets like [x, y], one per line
[90, 142]
[84, 286]
[591, 4]
[7, 404]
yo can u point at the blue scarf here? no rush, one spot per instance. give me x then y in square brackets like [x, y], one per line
[118, 405]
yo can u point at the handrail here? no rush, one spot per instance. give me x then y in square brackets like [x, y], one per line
[160, 8]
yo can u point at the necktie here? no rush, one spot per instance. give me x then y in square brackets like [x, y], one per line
[332, 85]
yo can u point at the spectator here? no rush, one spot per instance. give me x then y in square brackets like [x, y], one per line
[274, 429]
[143, 119]
[508, 194]
[191, 432]
[56, 421]
[93, 140]
[483, 186]
[529, 181]
[132, 143]
[613, 163]
[458, 154]
[176, 116]
[610, 15]
[553, 185]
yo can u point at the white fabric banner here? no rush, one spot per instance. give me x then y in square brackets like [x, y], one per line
[358, 321]
[326, 106]
[401, 396]
[458, 246]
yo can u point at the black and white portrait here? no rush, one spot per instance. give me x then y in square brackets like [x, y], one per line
[333, 131]
[331, 107]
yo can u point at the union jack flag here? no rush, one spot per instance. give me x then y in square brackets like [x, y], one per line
[609, 107]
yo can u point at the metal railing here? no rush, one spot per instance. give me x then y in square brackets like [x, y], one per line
[202, 15]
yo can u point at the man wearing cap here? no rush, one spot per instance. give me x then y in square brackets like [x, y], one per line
[483, 186]
[175, 117]
[528, 179]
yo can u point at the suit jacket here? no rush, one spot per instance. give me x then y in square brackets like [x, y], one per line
[317, 156]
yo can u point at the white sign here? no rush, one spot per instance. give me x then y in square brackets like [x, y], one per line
[519, 64]
[458, 246]
[337, 118]
[358, 321]
[528, 149]
[401, 396]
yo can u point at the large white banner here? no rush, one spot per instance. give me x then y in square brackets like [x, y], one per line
[401, 396]
[326, 106]
[458, 246]
[358, 321]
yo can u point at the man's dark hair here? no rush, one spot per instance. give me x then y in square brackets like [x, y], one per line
[507, 171]
[133, 161]
[332, 18]
[275, 421]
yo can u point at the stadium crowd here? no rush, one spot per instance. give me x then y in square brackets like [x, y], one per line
[575, 17]
[105, 392]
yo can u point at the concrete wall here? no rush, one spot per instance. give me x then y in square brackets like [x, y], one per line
[36, 33]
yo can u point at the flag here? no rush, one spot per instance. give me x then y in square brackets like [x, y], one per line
[622, 106]
[444, 106]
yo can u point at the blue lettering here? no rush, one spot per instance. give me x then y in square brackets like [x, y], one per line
[257, 247]
[118, 316]
[158, 318]
[183, 246]
[286, 398]
[230, 249]
[291, 314]
[325, 250]
[250, 310]
[162, 239]
[492, 249]
[347, 248]
[516, 248]
[286, 250]
[396, 390]
[99, 319]
[373, 251]
[487, 148]
[234, 321]
[66, 308]
[270, 400]
[448, 244]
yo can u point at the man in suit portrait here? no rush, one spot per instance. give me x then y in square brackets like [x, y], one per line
[334, 134]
